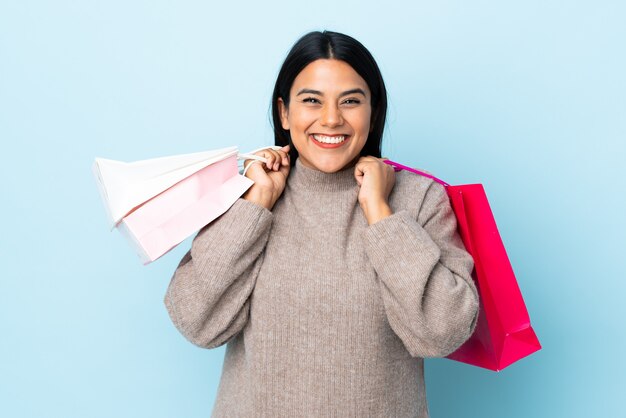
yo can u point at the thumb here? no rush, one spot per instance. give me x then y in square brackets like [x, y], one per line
[358, 174]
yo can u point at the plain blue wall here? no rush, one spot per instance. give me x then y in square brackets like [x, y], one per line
[527, 98]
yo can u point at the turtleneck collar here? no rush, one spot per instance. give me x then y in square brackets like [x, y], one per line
[303, 177]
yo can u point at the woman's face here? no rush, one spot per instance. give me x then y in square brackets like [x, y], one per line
[328, 116]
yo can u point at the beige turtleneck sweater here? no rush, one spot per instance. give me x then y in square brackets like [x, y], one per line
[325, 315]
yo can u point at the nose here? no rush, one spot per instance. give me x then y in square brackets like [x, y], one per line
[331, 116]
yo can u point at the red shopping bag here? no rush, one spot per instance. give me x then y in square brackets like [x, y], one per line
[503, 332]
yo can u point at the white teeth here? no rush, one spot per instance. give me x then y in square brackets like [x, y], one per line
[329, 139]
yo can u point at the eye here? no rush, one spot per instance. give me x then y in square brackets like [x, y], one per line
[310, 100]
[352, 101]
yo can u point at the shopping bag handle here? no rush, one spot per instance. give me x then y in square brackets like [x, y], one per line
[255, 158]
[399, 166]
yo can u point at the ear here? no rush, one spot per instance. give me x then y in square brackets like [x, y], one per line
[284, 114]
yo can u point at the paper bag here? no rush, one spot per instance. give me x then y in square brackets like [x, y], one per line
[156, 204]
[503, 332]
[169, 218]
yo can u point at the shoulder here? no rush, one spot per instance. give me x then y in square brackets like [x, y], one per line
[409, 182]
[413, 191]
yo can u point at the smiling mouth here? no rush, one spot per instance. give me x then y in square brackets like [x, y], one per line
[325, 139]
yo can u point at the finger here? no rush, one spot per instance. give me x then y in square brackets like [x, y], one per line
[359, 163]
[262, 153]
[284, 157]
[358, 175]
[249, 161]
[270, 159]
[286, 149]
[364, 163]
[247, 166]
[273, 163]
[358, 171]
[276, 158]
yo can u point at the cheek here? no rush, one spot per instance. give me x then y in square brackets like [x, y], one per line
[299, 127]
[297, 120]
[302, 120]
[363, 121]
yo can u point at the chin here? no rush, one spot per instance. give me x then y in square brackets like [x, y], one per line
[331, 167]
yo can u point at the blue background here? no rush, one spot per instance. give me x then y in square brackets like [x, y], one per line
[528, 98]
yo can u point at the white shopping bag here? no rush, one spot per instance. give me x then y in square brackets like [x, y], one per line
[157, 203]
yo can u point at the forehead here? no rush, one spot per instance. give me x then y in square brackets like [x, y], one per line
[329, 75]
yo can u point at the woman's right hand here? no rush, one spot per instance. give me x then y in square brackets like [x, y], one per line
[269, 178]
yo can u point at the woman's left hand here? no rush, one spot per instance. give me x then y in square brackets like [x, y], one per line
[376, 180]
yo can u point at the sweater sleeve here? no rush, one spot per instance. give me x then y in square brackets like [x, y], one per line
[208, 298]
[425, 276]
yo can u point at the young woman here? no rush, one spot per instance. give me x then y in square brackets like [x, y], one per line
[333, 276]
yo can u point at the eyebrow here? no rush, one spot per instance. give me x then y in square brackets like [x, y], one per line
[319, 93]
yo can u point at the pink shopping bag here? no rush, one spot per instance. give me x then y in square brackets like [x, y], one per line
[503, 332]
[167, 219]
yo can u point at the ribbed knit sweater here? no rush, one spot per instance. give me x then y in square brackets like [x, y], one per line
[325, 315]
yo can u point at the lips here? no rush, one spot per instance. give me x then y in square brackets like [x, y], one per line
[329, 141]
[329, 138]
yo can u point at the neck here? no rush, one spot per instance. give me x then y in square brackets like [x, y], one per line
[312, 179]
